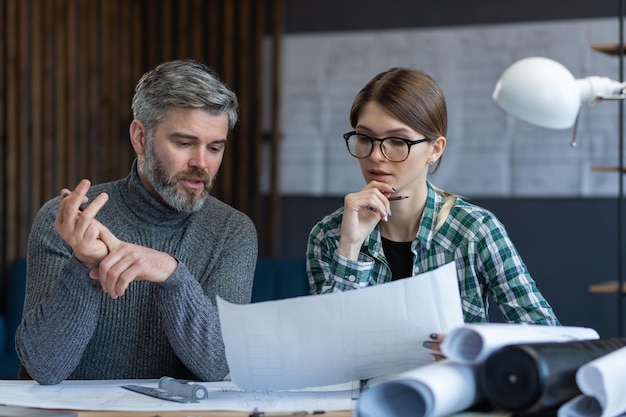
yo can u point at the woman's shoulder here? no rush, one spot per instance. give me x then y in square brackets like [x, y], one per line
[469, 216]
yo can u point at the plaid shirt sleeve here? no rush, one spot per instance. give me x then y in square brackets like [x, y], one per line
[488, 265]
[508, 279]
[329, 271]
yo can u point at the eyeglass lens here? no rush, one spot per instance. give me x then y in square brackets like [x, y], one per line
[393, 149]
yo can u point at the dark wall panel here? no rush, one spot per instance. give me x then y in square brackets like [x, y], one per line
[332, 15]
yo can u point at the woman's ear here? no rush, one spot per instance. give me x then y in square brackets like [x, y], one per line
[138, 136]
[438, 146]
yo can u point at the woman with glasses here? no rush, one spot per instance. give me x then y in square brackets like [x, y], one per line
[400, 225]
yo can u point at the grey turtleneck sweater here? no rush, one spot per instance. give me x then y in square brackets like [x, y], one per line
[71, 329]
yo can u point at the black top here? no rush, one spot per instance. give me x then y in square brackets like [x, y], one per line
[399, 257]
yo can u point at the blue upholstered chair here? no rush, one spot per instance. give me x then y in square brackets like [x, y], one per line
[277, 278]
[11, 317]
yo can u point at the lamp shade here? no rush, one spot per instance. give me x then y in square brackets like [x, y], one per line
[540, 91]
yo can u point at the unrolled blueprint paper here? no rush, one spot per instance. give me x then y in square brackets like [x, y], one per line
[334, 338]
[473, 342]
[602, 382]
[108, 395]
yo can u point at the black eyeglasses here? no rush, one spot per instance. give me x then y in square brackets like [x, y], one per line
[394, 149]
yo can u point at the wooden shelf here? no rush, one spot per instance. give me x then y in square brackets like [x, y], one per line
[607, 48]
[608, 287]
[607, 168]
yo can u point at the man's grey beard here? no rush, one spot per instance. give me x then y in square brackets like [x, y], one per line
[155, 173]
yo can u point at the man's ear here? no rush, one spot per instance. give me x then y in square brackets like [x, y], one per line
[138, 136]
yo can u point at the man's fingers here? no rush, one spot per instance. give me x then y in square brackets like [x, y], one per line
[115, 275]
[109, 239]
[91, 209]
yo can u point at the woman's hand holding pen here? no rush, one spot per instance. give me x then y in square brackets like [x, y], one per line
[362, 212]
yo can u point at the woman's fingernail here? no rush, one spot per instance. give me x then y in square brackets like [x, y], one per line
[433, 336]
[427, 345]
[389, 211]
[394, 190]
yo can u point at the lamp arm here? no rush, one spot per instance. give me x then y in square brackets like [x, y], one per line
[596, 88]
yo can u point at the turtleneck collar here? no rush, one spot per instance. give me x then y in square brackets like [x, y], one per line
[146, 206]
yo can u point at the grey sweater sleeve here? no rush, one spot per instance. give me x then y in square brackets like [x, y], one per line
[191, 318]
[60, 308]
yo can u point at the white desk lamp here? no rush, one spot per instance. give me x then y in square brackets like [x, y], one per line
[545, 93]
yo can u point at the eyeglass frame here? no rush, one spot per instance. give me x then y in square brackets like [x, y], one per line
[408, 142]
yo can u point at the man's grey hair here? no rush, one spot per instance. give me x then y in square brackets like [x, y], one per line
[181, 83]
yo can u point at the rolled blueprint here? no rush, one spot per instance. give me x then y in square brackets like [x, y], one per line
[602, 383]
[473, 342]
[537, 376]
[438, 389]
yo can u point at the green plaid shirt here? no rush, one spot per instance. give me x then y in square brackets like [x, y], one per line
[487, 263]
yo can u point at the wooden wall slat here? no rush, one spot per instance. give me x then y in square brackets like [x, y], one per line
[24, 179]
[197, 26]
[3, 152]
[106, 148]
[275, 134]
[138, 28]
[152, 35]
[71, 103]
[125, 87]
[36, 82]
[61, 160]
[167, 42]
[67, 77]
[243, 143]
[258, 41]
[227, 71]
[12, 113]
[46, 98]
[82, 94]
[212, 35]
[183, 41]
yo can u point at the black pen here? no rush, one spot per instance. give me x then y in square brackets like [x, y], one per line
[257, 413]
[397, 197]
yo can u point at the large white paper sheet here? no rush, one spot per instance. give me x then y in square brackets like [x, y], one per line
[602, 383]
[335, 338]
[474, 342]
[110, 396]
[440, 389]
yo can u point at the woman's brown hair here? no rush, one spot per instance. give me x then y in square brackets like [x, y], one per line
[409, 95]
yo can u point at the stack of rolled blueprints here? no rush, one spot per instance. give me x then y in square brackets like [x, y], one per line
[457, 383]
